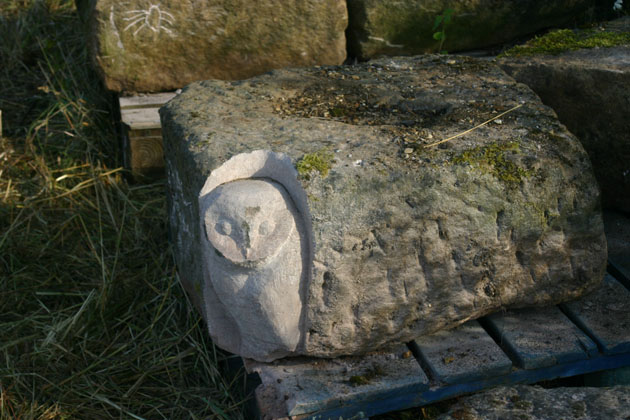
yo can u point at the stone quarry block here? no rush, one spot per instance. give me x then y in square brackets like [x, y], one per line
[145, 46]
[537, 403]
[375, 237]
[589, 90]
[406, 27]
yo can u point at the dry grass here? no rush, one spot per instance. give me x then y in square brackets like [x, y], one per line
[94, 322]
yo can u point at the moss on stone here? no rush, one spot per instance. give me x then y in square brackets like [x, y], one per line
[561, 40]
[372, 373]
[493, 159]
[320, 161]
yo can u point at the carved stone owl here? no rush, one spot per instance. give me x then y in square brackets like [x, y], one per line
[255, 263]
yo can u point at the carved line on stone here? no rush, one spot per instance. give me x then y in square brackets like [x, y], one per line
[234, 177]
[119, 43]
[153, 18]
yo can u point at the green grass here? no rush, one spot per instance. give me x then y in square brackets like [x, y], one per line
[95, 324]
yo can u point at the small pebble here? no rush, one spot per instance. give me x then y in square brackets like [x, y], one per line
[498, 121]
[408, 150]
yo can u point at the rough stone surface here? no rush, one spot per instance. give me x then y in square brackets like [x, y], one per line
[590, 91]
[524, 402]
[146, 46]
[404, 239]
[382, 27]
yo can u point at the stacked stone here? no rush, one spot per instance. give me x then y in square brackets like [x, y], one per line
[145, 46]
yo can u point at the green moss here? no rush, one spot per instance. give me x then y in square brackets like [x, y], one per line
[493, 159]
[562, 40]
[358, 380]
[366, 378]
[320, 161]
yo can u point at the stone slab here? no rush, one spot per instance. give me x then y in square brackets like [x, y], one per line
[540, 337]
[402, 238]
[309, 385]
[381, 27]
[464, 354]
[144, 46]
[537, 403]
[274, 408]
[605, 315]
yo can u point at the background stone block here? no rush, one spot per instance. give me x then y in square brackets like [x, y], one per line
[382, 27]
[144, 46]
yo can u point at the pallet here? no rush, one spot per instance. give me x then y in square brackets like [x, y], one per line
[142, 133]
[513, 347]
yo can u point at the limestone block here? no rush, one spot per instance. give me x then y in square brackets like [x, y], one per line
[253, 262]
[378, 237]
[536, 403]
[146, 46]
[589, 89]
[382, 27]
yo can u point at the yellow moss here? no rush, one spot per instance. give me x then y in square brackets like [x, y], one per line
[320, 161]
[562, 40]
[492, 159]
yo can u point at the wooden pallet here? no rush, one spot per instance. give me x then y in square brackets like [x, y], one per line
[519, 346]
[142, 133]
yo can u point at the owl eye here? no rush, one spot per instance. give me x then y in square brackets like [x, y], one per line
[265, 228]
[224, 227]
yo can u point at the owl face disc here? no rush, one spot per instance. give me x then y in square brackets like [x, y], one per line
[249, 220]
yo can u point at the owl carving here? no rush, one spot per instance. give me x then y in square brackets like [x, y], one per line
[255, 261]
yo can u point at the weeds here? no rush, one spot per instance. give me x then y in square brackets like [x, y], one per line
[439, 27]
[94, 322]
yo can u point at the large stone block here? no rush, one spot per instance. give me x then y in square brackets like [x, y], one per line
[590, 91]
[374, 236]
[382, 27]
[145, 46]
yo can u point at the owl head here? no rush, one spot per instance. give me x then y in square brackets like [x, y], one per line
[249, 220]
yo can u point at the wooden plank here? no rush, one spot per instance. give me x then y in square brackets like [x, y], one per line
[142, 134]
[464, 354]
[439, 393]
[141, 118]
[146, 156]
[153, 100]
[604, 315]
[308, 385]
[539, 337]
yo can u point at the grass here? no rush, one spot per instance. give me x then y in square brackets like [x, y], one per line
[95, 324]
